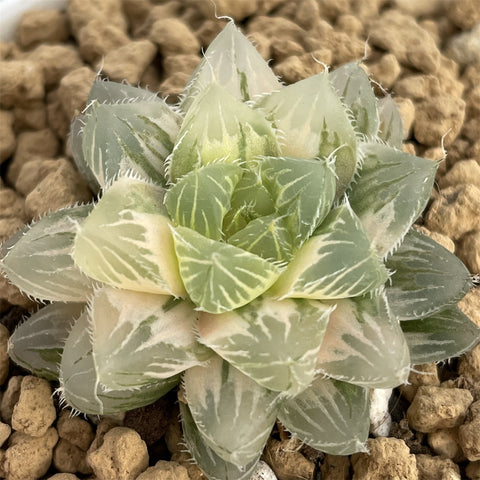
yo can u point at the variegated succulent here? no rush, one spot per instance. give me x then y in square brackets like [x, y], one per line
[254, 242]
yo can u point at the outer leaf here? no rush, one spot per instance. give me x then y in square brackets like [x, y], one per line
[139, 338]
[104, 91]
[303, 191]
[353, 84]
[37, 344]
[448, 333]
[40, 262]
[220, 277]
[233, 62]
[337, 262]
[314, 123]
[79, 381]
[126, 241]
[233, 413]
[201, 199]
[214, 467]
[331, 416]
[363, 345]
[426, 278]
[218, 127]
[391, 127]
[390, 193]
[276, 343]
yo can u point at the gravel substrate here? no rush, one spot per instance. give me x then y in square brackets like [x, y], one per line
[426, 52]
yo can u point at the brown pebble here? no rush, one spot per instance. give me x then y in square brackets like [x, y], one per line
[74, 89]
[164, 470]
[444, 442]
[173, 37]
[12, 205]
[10, 398]
[7, 135]
[69, 458]
[4, 360]
[385, 70]
[336, 467]
[469, 433]
[30, 117]
[436, 468]
[74, 429]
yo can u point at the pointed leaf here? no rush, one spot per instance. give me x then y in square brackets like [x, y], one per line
[390, 193]
[353, 85]
[234, 414]
[37, 343]
[426, 278]
[105, 91]
[314, 123]
[218, 127]
[220, 277]
[139, 338]
[126, 241]
[363, 345]
[330, 416]
[445, 334]
[337, 262]
[391, 126]
[276, 343]
[201, 199]
[40, 262]
[233, 62]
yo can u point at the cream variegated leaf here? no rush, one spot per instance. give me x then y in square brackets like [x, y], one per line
[139, 338]
[336, 262]
[220, 277]
[391, 191]
[126, 241]
[39, 261]
[330, 415]
[276, 343]
[364, 345]
[223, 401]
[391, 126]
[104, 91]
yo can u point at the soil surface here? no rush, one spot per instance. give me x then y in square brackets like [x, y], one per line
[427, 53]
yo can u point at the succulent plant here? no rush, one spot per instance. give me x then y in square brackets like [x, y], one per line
[255, 243]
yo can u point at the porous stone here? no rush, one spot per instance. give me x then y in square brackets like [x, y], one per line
[122, 456]
[464, 171]
[336, 467]
[32, 116]
[434, 408]
[5, 431]
[470, 305]
[465, 48]
[69, 458]
[42, 26]
[12, 205]
[465, 14]
[436, 468]
[7, 135]
[388, 458]
[469, 433]
[468, 250]
[173, 37]
[444, 442]
[307, 13]
[294, 69]
[425, 374]
[81, 12]
[180, 63]
[207, 31]
[417, 87]
[4, 360]
[277, 27]
[33, 172]
[8, 291]
[238, 10]
[184, 458]
[441, 239]
[74, 89]
[174, 85]
[284, 48]
[385, 70]
[56, 116]
[75, 430]
[350, 24]
[21, 81]
[406, 109]
[164, 470]
[63, 476]
[420, 9]
[473, 470]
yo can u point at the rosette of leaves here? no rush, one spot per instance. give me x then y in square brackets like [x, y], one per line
[254, 242]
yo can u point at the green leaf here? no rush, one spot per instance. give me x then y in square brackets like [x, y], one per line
[426, 278]
[40, 262]
[79, 383]
[213, 466]
[330, 416]
[276, 343]
[303, 191]
[220, 277]
[220, 128]
[391, 191]
[200, 199]
[445, 334]
[233, 62]
[37, 343]
[105, 91]
[314, 123]
[139, 338]
[363, 345]
[126, 241]
[353, 85]
[391, 126]
[234, 414]
[337, 262]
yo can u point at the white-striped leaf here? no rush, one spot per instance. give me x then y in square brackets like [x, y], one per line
[139, 338]
[40, 262]
[353, 85]
[445, 334]
[213, 466]
[276, 343]
[218, 127]
[314, 123]
[234, 414]
[37, 343]
[134, 136]
[220, 277]
[126, 241]
[330, 415]
[391, 126]
[363, 345]
[233, 62]
[79, 383]
[200, 199]
[426, 278]
[303, 191]
[337, 262]
[105, 91]
[390, 193]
